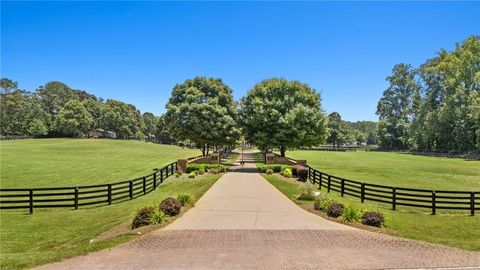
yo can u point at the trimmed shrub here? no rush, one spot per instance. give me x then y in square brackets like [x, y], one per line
[302, 174]
[350, 214]
[284, 168]
[142, 218]
[373, 219]
[269, 171]
[201, 171]
[195, 167]
[287, 173]
[335, 210]
[192, 175]
[307, 192]
[216, 167]
[185, 199]
[157, 217]
[276, 168]
[170, 206]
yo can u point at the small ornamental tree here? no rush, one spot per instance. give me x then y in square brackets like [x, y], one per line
[282, 113]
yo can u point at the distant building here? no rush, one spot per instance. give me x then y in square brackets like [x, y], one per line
[100, 133]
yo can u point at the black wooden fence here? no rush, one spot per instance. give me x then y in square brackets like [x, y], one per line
[398, 196]
[78, 196]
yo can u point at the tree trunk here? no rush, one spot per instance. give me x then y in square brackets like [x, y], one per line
[208, 149]
[282, 151]
[203, 149]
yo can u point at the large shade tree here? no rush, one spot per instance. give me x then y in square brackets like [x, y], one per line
[73, 119]
[202, 110]
[281, 113]
[123, 119]
[337, 130]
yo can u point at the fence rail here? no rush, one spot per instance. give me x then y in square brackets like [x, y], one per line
[398, 196]
[86, 195]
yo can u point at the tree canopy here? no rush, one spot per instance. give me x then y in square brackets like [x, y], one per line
[282, 113]
[202, 110]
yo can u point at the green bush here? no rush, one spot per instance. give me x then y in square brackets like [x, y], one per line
[192, 175]
[170, 206]
[276, 168]
[201, 171]
[283, 168]
[287, 173]
[142, 218]
[307, 192]
[373, 219]
[269, 171]
[195, 167]
[177, 174]
[325, 203]
[335, 210]
[351, 214]
[185, 199]
[157, 217]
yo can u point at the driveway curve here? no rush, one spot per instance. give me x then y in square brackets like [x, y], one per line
[243, 222]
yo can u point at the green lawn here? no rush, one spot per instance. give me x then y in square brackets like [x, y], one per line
[400, 170]
[68, 162]
[51, 235]
[54, 234]
[460, 231]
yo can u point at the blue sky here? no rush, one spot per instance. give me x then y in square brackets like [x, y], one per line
[137, 51]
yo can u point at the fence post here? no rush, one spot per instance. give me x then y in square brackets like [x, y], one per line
[166, 171]
[321, 178]
[75, 197]
[472, 203]
[161, 175]
[343, 187]
[394, 198]
[144, 185]
[130, 189]
[434, 202]
[329, 181]
[362, 194]
[31, 200]
[154, 180]
[109, 186]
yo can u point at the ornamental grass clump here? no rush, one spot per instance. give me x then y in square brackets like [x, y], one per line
[375, 219]
[157, 217]
[170, 206]
[335, 210]
[307, 192]
[269, 171]
[192, 175]
[185, 199]
[142, 218]
[351, 214]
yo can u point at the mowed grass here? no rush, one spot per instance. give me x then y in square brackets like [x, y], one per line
[55, 234]
[70, 162]
[461, 231]
[401, 170]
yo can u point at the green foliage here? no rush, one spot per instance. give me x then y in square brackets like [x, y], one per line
[307, 192]
[325, 203]
[335, 210]
[161, 131]
[142, 218]
[192, 175]
[351, 214]
[201, 171]
[203, 111]
[73, 119]
[337, 130]
[276, 103]
[287, 173]
[149, 124]
[435, 107]
[177, 174]
[375, 219]
[121, 118]
[157, 217]
[185, 199]
[282, 169]
[269, 171]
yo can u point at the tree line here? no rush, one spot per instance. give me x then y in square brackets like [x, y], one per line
[435, 107]
[56, 110]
